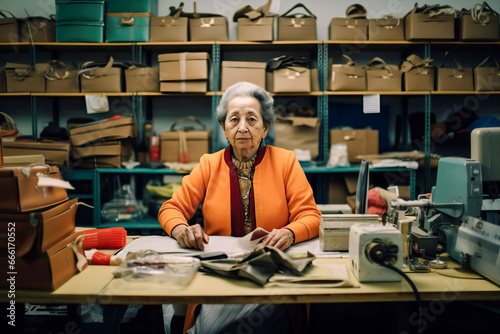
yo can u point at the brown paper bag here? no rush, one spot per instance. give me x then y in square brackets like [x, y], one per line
[454, 78]
[381, 76]
[298, 133]
[349, 77]
[481, 23]
[487, 78]
[297, 26]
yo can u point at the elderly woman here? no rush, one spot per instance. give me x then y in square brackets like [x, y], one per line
[242, 187]
[246, 185]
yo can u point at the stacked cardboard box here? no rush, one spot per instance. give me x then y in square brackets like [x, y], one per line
[37, 229]
[184, 72]
[103, 144]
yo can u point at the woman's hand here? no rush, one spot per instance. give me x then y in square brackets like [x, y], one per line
[279, 238]
[190, 236]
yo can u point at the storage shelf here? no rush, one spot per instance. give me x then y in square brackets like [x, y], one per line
[147, 223]
[138, 171]
[368, 92]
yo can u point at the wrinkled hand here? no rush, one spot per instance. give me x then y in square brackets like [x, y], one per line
[279, 238]
[190, 236]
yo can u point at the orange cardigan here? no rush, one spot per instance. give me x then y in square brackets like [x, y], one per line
[282, 195]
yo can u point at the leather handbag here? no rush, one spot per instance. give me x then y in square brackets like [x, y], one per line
[184, 144]
[487, 78]
[454, 78]
[9, 27]
[353, 27]
[418, 73]
[297, 26]
[381, 76]
[348, 77]
[36, 231]
[24, 189]
[480, 23]
[386, 28]
[172, 27]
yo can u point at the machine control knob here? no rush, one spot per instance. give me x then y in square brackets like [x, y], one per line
[475, 171]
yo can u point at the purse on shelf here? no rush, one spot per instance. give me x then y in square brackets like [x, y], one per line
[386, 28]
[101, 76]
[207, 26]
[418, 73]
[297, 26]
[381, 76]
[38, 29]
[172, 27]
[487, 78]
[353, 27]
[430, 22]
[348, 77]
[255, 24]
[455, 78]
[9, 27]
[24, 77]
[59, 77]
[184, 144]
[480, 23]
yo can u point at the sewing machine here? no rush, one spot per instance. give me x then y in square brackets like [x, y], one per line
[464, 206]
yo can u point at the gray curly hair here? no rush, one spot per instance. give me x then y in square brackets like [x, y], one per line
[243, 88]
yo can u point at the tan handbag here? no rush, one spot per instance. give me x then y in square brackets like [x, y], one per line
[386, 28]
[481, 23]
[24, 78]
[297, 26]
[348, 77]
[96, 78]
[353, 27]
[454, 78]
[169, 28]
[418, 73]
[430, 22]
[382, 77]
[61, 77]
[255, 24]
[487, 78]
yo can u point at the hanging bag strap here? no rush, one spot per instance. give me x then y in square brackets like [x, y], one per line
[355, 11]
[299, 5]
[414, 61]
[481, 13]
[89, 66]
[2, 14]
[486, 60]
[180, 120]
[380, 21]
[448, 53]
[349, 61]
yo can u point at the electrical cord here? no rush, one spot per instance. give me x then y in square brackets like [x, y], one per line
[414, 288]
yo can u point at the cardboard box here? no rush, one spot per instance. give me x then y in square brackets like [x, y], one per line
[260, 30]
[420, 78]
[236, 71]
[45, 271]
[427, 26]
[208, 29]
[348, 29]
[142, 79]
[23, 160]
[198, 143]
[184, 86]
[70, 84]
[109, 154]
[289, 80]
[108, 129]
[183, 66]
[296, 28]
[168, 29]
[37, 231]
[23, 78]
[298, 133]
[55, 153]
[100, 162]
[358, 142]
[337, 191]
[102, 80]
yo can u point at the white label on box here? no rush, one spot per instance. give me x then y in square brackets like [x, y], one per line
[371, 104]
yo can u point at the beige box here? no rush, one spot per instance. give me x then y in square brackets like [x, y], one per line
[235, 71]
[142, 79]
[296, 28]
[260, 30]
[55, 153]
[420, 78]
[24, 78]
[289, 80]
[102, 79]
[427, 26]
[183, 66]
[334, 229]
[198, 143]
[208, 29]
[100, 162]
[386, 29]
[196, 86]
[70, 84]
[168, 29]
[348, 29]
[359, 142]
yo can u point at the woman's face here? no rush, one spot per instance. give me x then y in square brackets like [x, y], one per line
[244, 126]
